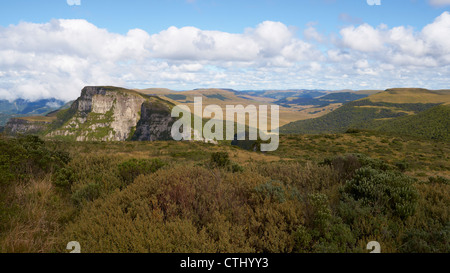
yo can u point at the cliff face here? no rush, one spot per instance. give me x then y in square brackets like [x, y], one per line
[155, 123]
[105, 114]
[102, 114]
[23, 126]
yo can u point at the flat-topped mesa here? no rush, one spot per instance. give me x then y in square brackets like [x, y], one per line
[106, 113]
[102, 114]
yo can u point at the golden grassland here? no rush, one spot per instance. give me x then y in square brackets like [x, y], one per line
[411, 95]
[223, 98]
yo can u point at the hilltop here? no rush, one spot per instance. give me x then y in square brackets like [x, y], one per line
[410, 111]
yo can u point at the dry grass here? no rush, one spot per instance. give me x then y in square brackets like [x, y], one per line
[35, 228]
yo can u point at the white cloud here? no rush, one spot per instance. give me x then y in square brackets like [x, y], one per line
[363, 38]
[439, 3]
[58, 58]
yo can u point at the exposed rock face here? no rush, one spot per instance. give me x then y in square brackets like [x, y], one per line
[22, 126]
[155, 123]
[103, 113]
[106, 114]
[116, 114]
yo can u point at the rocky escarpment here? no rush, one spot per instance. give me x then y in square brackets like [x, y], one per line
[104, 114]
[23, 126]
[155, 123]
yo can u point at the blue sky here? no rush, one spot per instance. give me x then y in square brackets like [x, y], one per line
[224, 15]
[49, 48]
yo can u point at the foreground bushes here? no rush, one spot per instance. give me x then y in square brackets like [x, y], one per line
[112, 202]
[267, 207]
[220, 212]
[28, 156]
[131, 169]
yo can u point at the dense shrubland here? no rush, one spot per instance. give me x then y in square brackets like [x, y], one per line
[190, 197]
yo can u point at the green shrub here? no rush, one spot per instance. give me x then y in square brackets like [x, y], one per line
[64, 178]
[236, 168]
[420, 241]
[345, 166]
[320, 212]
[402, 165]
[272, 190]
[131, 169]
[87, 193]
[220, 159]
[352, 131]
[439, 179]
[303, 240]
[28, 156]
[384, 190]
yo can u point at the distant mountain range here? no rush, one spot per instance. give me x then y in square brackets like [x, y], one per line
[21, 108]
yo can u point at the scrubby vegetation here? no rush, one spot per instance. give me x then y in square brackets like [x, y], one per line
[316, 193]
[365, 114]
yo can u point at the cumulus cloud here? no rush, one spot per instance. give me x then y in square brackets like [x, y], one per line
[56, 59]
[401, 45]
[439, 3]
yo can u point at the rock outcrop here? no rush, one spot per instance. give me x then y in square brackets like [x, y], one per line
[106, 114]
[103, 114]
[155, 123]
[22, 126]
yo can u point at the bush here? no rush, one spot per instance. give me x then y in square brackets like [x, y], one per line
[87, 193]
[320, 212]
[346, 165]
[272, 190]
[352, 131]
[420, 241]
[64, 178]
[28, 156]
[402, 165]
[220, 159]
[385, 191]
[439, 180]
[131, 169]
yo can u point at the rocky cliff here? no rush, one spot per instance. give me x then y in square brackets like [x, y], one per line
[106, 114]
[25, 126]
[155, 122]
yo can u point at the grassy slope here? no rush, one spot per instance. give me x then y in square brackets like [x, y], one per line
[433, 123]
[378, 109]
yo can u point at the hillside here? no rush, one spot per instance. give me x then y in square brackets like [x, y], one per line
[223, 97]
[294, 104]
[433, 123]
[378, 111]
[338, 97]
